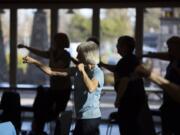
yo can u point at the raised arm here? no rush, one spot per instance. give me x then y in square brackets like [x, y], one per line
[91, 84]
[172, 89]
[49, 71]
[74, 60]
[158, 55]
[38, 52]
[108, 67]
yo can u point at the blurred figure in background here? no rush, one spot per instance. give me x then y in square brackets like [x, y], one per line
[170, 109]
[50, 103]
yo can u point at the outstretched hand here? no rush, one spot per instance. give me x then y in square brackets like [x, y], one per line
[21, 46]
[29, 60]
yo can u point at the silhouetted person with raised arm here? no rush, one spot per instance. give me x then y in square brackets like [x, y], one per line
[54, 101]
[89, 80]
[131, 97]
[172, 89]
[170, 109]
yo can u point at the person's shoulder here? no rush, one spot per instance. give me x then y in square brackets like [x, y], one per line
[98, 70]
[66, 53]
[120, 61]
[134, 59]
[123, 62]
[119, 64]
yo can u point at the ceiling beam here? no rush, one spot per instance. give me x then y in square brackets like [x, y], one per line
[86, 3]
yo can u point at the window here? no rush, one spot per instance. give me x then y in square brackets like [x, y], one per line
[77, 24]
[4, 45]
[33, 31]
[113, 24]
[159, 25]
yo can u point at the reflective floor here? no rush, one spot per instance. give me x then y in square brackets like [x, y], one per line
[107, 107]
[114, 130]
[105, 129]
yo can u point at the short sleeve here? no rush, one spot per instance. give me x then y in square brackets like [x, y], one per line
[99, 76]
[66, 59]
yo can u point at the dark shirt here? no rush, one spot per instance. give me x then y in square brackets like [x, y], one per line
[60, 61]
[174, 77]
[134, 95]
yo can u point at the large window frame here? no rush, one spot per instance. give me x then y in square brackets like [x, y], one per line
[54, 7]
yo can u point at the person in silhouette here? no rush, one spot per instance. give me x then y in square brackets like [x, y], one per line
[89, 80]
[50, 103]
[172, 89]
[131, 98]
[170, 108]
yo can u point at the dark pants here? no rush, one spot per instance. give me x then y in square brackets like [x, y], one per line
[87, 127]
[128, 122]
[47, 106]
[170, 121]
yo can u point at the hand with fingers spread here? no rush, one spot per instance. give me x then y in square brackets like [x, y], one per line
[29, 60]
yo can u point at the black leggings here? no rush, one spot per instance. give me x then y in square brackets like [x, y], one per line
[87, 127]
[127, 121]
[170, 121]
[47, 106]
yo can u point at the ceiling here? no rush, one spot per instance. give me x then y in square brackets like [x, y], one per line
[89, 3]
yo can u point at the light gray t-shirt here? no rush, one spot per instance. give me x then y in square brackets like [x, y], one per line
[87, 104]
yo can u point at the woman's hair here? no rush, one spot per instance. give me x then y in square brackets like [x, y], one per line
[89, 52]
[62, 39]
[127, 40]
[174, 40]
